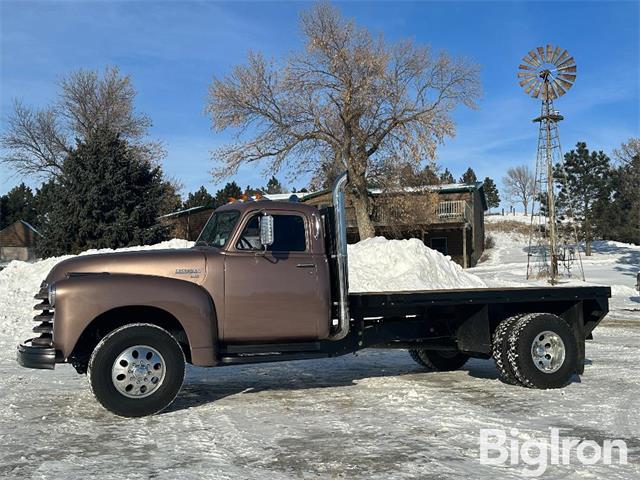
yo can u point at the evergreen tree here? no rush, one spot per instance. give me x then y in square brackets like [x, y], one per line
[17, 204]
[106, 197]
[469, 176]
[491, 192]
[447, 177]
[274, 186]
[586, 184]
[618, 218]
[250, 191]
[230, 190]
[199, 198]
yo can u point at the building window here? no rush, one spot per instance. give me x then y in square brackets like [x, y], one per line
[440, 244]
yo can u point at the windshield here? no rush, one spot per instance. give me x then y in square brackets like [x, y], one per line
[218, 229]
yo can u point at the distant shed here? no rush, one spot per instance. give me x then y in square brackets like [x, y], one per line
[18, 242]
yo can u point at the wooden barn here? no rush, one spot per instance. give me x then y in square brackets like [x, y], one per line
[18, 242]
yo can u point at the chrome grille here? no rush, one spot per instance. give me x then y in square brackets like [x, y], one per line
[44, 317]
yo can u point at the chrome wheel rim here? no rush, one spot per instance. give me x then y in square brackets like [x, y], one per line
[138, 371]
[548, 352]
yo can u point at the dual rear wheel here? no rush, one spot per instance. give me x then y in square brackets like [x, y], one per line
[535, 350]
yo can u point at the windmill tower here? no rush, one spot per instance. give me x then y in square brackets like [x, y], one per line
[547, 74]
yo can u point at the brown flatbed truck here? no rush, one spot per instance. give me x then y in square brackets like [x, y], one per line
[267, 282]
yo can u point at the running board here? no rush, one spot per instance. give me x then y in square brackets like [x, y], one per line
[270, 348]
[271, 357]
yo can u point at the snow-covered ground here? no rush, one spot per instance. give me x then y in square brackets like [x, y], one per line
[374, 415]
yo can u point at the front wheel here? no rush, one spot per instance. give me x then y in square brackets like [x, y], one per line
[136, 370]
[439, 360]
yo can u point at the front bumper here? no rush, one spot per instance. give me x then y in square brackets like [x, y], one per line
[34, 356]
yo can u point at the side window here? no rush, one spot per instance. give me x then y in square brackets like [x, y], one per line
[289, 234]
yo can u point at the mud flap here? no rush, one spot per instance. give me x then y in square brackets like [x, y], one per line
[575, 317]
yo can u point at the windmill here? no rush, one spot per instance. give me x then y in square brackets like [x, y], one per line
[547, 73]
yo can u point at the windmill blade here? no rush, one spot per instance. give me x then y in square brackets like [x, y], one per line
[526, 67]
[527, 81]
[556, 55]
[572, 68]
[536, 92]
[526, 75]
[530, 87]
[549, 54]
[534, 58]
[570, 61]
[566, 76]
[541, 54]
[558, 88]
[564, 83]
[529, 60]
[564, 55]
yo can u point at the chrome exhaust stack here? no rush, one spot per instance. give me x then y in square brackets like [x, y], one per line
[341, 257]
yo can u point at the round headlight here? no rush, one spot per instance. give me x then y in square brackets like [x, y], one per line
[52, 294]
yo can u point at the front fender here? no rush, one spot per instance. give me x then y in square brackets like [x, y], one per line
[81, 299]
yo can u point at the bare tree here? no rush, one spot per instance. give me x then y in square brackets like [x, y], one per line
[36, 141]
[348, 96]
[519, 184]
[628, 151]
[405, 202]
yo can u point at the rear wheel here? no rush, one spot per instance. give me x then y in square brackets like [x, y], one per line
[137, 370]
[500, 349]
[439, 360]
[542, 351]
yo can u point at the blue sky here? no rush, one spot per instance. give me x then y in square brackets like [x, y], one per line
[172, 49]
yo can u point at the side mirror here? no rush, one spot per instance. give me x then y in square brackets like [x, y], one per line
[266, 230]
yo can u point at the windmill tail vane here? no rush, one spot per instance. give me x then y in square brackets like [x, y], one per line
[547, 73]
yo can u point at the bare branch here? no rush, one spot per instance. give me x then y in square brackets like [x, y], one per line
[348, 93]
[36, 141]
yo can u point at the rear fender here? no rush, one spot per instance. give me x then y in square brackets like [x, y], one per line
[81, 299]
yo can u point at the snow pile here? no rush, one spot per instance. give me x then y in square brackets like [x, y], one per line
[378, 264]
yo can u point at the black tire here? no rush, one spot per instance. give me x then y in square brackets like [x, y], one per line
[520, 347]
[126, 338]
[500, 348]
[439, 360]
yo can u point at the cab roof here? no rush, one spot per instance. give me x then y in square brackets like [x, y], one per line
[268, 205]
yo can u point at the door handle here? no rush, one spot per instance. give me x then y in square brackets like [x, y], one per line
[306, 265]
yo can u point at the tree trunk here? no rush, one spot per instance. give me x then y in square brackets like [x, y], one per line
[588, 236]
[360, 200]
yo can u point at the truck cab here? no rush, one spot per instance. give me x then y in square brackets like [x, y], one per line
[277, 291]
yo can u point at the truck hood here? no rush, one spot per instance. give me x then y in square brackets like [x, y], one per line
[184, 263]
